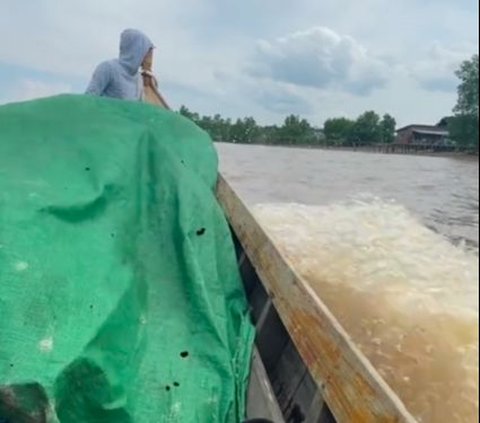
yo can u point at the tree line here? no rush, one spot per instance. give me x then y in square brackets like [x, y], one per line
[294, 130]
[368, 129]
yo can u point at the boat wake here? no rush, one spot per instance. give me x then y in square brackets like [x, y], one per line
[405, 294]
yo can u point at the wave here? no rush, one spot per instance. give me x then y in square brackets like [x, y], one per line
[405, 294]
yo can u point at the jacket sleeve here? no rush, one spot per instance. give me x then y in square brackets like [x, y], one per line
[100, 79]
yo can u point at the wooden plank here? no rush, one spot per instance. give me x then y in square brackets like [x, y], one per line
[289, 374]
[261, 399]
[351, 387]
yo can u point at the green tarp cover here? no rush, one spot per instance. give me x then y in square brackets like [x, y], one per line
[120, 298]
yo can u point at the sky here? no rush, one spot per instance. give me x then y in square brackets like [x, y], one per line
[262, 58]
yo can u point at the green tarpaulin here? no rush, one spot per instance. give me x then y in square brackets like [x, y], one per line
[120, 299]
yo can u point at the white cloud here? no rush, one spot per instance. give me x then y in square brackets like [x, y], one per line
[320, 58]
[282, 99]
[273, 96]
[436, 71]
[71, 37]
[29, 89]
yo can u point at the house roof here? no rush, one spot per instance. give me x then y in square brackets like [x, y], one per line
[421, 128]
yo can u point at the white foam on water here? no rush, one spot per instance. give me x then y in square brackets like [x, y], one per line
[406, 296]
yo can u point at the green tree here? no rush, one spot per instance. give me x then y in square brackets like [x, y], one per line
[467, 102]
[366, 129]
[387, 129]
[238, 132]
[226, 130]
[463, 127]
[338, 130]
[295, 131]
[443, 122]
[206, 123]
[269, 134]
[245, 131]
[218, 131]
[188, 114]
[251, 129]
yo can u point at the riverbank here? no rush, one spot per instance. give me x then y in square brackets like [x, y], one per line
[424, 153]
[370, 149]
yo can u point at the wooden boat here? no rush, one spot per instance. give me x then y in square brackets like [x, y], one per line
[305, 367]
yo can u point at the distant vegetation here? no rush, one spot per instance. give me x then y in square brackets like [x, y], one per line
[294, 130]
[368, 129]
[463, 126]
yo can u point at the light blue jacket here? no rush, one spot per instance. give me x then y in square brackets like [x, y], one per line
[120, 78]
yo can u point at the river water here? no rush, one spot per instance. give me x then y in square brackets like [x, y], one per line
[390, 244]
[441, 192]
